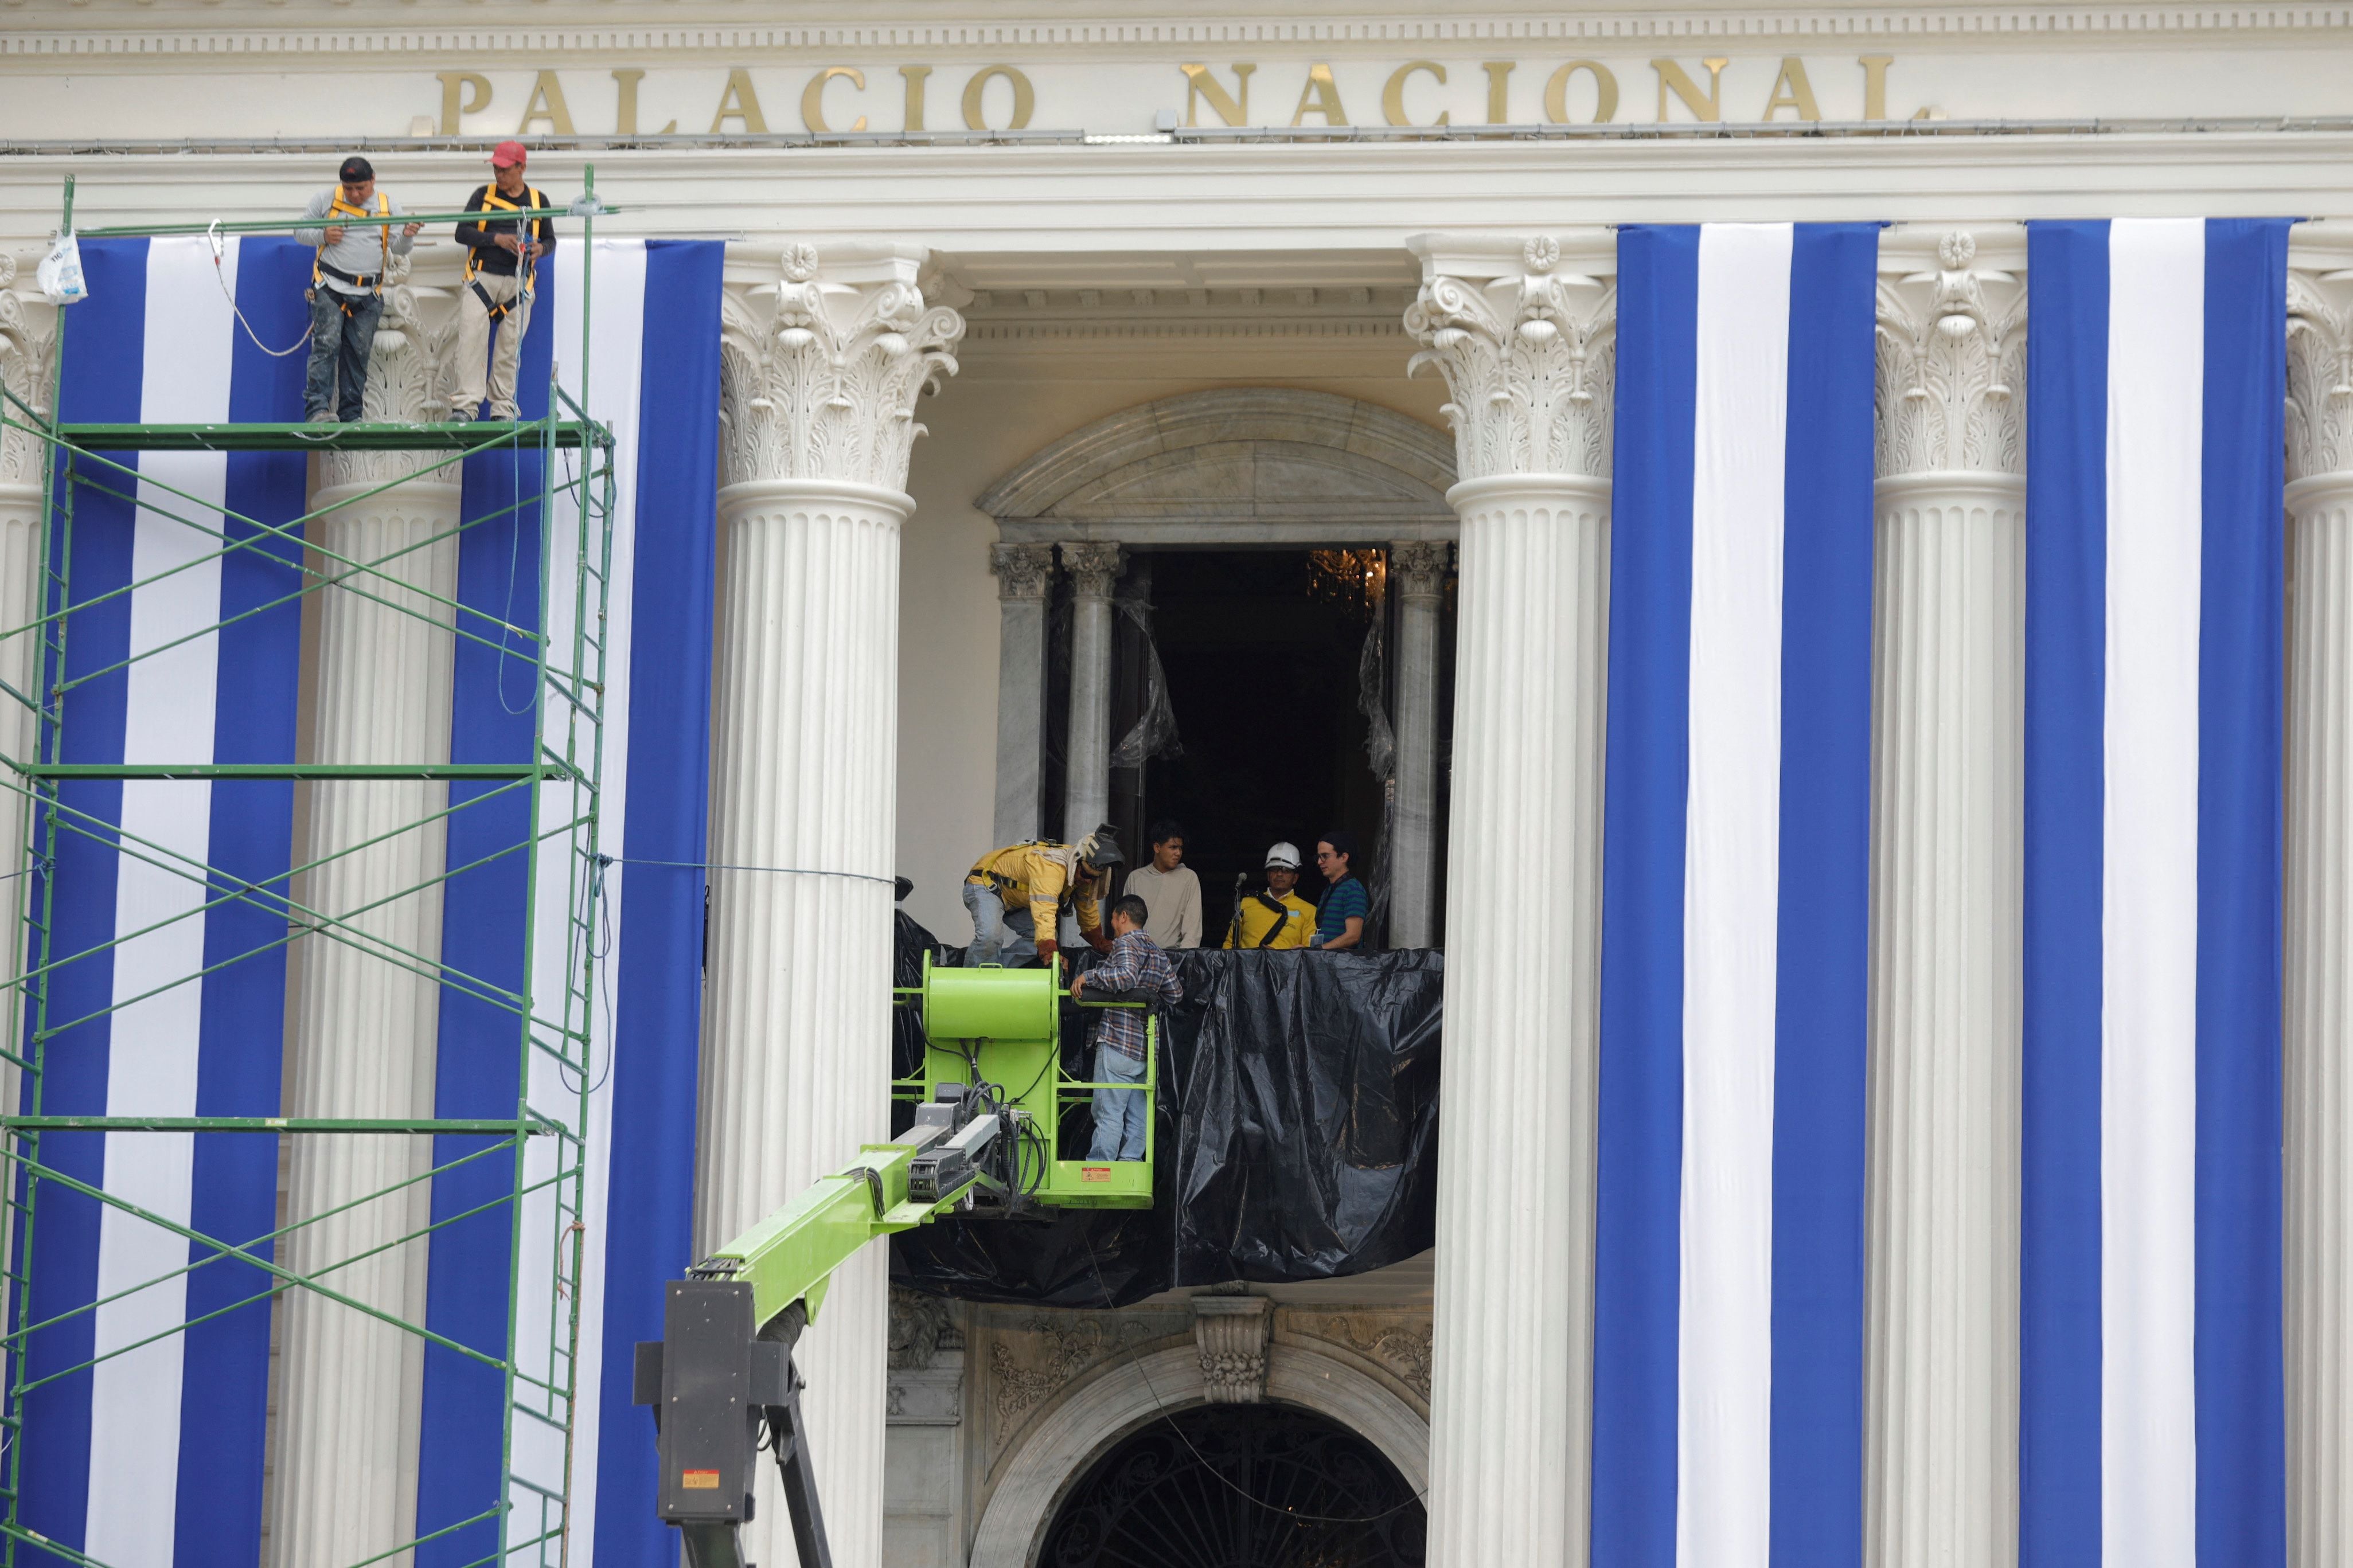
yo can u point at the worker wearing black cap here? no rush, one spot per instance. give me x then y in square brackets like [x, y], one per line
[347, 287]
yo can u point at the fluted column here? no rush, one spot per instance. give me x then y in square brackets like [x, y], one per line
[1946, 859]
[2318, 1099]
[820, 393]
[1525, 342]
[345, 1484]
[1417, 579]
[1086, 788]
[1025, 575]
[24, 370]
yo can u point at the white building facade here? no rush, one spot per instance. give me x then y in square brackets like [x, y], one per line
[1329, 276]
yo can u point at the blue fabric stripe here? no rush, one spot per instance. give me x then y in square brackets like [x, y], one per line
[1635, 1309]
[241, 1051]
[105, 355]
[2242, 1486]
[658, 986]
[478, 1059]
[1821, 1013]
[2066, 677]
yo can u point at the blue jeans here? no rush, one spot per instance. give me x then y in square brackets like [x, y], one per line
[337, 378]
[1121, 1115]
[1000, 935]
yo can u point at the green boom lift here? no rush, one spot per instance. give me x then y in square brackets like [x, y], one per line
[721, 1375]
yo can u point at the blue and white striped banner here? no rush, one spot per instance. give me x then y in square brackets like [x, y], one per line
[155, 1455]
[2151, 1428]
[1728, 1320]
[652, 335]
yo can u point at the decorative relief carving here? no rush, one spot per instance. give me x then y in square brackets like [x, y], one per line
[1023, 571]
[1397, 1344]
[25, 371]
[1530, 361]
[1231, 1332]
[825, 387]
[926, 1378]
[1952, 367]
[1093, 568]
[1033, 1359]
[2319, 374]
[922, 1328]
[1417, 568]
[408, 374]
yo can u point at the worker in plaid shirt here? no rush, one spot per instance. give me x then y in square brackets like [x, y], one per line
[1136, 964]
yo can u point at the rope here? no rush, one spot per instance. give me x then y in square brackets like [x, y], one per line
[212, 238]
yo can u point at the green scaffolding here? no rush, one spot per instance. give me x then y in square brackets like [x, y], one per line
[563, 779]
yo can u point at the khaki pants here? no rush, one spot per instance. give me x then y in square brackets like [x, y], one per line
[474, 347]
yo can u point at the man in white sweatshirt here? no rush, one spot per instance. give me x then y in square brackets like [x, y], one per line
[1169, 890]
[347, 287]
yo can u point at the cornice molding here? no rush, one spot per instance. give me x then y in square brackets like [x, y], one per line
[473, 28]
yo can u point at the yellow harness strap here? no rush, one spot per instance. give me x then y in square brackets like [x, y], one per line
[337, 207]
[493, 202]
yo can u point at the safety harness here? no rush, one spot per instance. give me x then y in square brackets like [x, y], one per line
[320, 270]
[493, 202]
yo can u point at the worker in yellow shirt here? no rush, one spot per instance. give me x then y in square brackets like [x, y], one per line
[1276, 915]
[1016, 896]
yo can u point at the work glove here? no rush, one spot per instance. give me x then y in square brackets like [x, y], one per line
[1047, 949]
[1097, 940]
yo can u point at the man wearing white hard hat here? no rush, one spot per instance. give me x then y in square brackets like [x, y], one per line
[1275, 916]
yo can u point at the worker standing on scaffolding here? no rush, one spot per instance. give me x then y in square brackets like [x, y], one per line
[500, 257]
[347, 288]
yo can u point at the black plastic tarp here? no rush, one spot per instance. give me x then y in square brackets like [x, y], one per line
[1297, 1137]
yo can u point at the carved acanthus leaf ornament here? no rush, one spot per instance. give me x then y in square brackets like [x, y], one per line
[410, 367]
[25, 371]
[1952, 368]
[824, 388]
[1530, 363]
[1023, 571]
[1094, 568]
[2319, 374]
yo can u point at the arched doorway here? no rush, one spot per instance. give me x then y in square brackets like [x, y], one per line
[1239, 1486]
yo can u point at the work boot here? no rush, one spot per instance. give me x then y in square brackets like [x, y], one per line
[461, 417]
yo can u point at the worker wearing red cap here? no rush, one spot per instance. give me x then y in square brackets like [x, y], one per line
[500, 257]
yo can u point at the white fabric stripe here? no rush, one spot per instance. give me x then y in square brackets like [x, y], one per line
[616, 370]
[1731, 873]
[152, 1069]
[2149, 1038]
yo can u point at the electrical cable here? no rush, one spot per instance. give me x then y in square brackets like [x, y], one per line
[778, 870]
[220, 275]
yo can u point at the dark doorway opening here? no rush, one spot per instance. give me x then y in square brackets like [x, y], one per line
[1239, 1486]
[1264, 652]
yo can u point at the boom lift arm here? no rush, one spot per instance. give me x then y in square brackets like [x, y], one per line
[721, 1381]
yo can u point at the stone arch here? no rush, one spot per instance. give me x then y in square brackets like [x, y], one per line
[1296, 467]
[1130, 1391]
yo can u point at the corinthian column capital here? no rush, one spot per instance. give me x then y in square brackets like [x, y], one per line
[1022, 571]
[25, 371]
[408, 370]
[820, 370]
[1094, 569]
[2319, 374]
[1952, 367]
[1525, 336]
[1417, 570]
